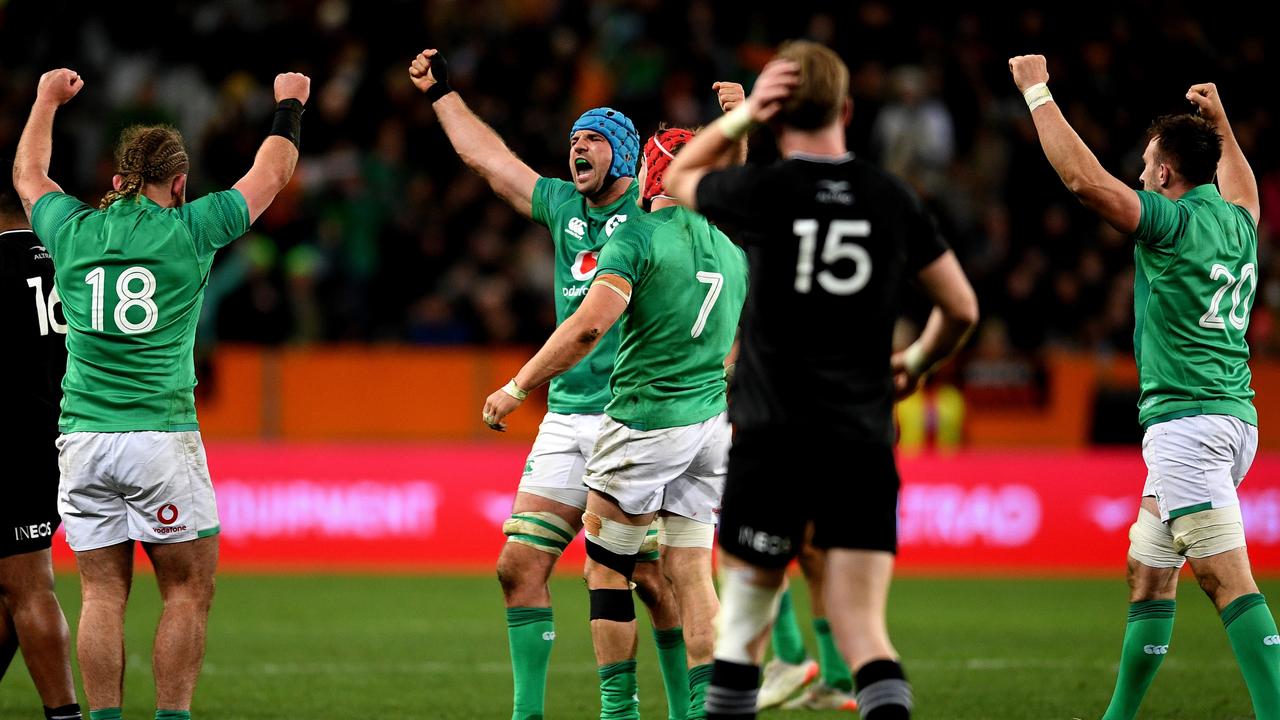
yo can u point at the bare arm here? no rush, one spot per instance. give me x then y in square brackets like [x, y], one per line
[577, 336]
[476, 143]
[954, 316]
[718, 145]
[731, 95]
[1235, 178]
[277, 157]
[35, 148]
[1084, 176]
[568, 345]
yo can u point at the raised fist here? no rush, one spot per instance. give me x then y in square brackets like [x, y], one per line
[293, 85]
[59, 86]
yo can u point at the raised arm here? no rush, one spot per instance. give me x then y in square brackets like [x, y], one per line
[955, 313]
[1084, 176]
[475, 142]
[731, 95]
[1235, 178]
[715, 146]
[573, 340]
[35, 148]
[278, 156]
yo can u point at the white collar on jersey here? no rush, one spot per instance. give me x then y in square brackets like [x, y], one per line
[832, 159]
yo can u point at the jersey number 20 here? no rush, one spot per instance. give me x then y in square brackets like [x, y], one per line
[1213, 318]
[834, 249]
[130, 297]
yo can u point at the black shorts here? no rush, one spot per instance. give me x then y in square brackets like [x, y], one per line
[29, 498]
[779, 482]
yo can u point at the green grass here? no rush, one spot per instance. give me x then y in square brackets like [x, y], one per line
[435, 647]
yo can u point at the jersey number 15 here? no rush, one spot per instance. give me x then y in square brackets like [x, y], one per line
[834, 249]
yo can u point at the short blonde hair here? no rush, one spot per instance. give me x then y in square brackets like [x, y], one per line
[824, 85]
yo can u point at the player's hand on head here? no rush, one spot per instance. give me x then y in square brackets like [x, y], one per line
[1207, 100]
[59, 86]
[772, 89]
[496, 408]
[730, 95]
[1028, 70]
[294, 86]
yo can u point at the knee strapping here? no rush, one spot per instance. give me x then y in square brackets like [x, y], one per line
[612, 604]
[680, 531]
[1151, 543]
[543, 531]
[624, 565]
[649, 551]
[1208, 532]
[746, 612]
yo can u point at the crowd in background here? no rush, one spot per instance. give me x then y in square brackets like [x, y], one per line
[385, 236]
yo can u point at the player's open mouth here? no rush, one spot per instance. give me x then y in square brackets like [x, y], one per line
[582, 169]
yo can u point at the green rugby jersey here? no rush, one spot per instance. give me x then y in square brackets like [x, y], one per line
[579, 232]
[688, 284]
[1196, 273]
[132, 279]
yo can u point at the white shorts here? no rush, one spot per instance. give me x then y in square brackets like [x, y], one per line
[147, 486]
[559, 456]
[1196, 463]
[680, 469]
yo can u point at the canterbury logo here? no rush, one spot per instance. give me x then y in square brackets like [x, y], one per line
[577, 227]
[584, 266]
[613, 224]
[549, 635]
[1271, 640]
[1155, 649]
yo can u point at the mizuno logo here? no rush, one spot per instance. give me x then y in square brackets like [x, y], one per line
[834, 192]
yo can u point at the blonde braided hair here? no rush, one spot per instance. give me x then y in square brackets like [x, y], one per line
[147, 154]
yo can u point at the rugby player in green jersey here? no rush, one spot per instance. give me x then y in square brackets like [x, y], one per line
[131, 276]
[547, 512]
[1195, 257]
[675, 286]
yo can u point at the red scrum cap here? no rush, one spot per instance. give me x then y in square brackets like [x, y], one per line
[658, 154]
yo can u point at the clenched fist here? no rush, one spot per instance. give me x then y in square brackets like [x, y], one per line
[1206, 98]
[293, 85]
[730, 95]
[1029, 70]
[59, 86]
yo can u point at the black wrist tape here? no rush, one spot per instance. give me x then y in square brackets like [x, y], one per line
[287, 122]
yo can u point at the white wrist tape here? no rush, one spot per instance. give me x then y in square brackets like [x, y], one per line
[737, 122]
[915, 358]
[1037, 95]
[512, 389]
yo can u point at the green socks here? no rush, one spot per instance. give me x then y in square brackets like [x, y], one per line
[675, 670]
[173, 715]
[1252, 632]
[619, 696]
[699, 679]
[1146, 641]
[788, 643]
[530, 633]
[105, 714]
[835, 673]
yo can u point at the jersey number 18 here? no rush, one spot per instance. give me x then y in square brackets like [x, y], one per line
[130, 297]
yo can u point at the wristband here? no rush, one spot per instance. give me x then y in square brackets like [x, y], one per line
[1037, 95]
[914, 358]
[512, 389]
[439, 71]
[737, 122]
[287, 122]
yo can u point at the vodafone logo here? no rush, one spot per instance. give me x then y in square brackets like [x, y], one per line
[584, 266]
[168, 514]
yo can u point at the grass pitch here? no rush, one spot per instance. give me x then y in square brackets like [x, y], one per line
[346, 647]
